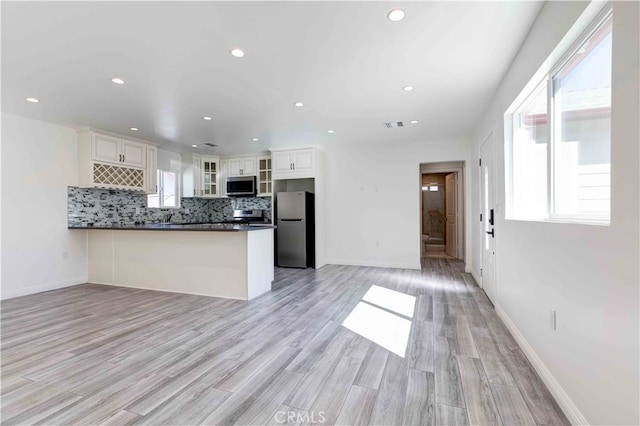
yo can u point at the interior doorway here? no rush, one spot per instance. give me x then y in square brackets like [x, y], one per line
[441, 210]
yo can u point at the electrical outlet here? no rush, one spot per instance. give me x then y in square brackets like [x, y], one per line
[187, 211]
[138, 210]
[553, 320]
[65, 254]
[377, 243]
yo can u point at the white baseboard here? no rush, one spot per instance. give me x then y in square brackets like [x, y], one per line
[375, 264]
[40, 288]
[562, 398]
[474, 274]
[173, 291]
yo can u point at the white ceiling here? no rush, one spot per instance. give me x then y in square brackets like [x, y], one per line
[344, 60]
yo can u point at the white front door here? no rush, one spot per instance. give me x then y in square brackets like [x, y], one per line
[488, 235]
[451, 213]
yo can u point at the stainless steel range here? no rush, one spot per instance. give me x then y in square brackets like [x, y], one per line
[247, 217]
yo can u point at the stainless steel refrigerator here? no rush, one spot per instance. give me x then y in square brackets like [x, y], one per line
[295, 239]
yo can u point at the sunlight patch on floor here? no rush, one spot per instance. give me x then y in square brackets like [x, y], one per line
[381, 327]
[392, 300]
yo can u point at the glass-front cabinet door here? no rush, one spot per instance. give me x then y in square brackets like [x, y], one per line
[264, 176]
[210, 169]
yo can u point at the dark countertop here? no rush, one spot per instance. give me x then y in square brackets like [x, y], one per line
[212, 227]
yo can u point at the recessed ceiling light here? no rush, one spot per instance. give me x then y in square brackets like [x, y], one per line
[206, 118]
[238, 53]
[255, 139]
[407, 88]
[414, 121]
[396, 15]
[34, 100]
[299, 104]
[194, 146]
[117, 80]
[135, 129]
[331, 131]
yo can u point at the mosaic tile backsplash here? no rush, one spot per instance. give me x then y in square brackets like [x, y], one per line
[104, 207]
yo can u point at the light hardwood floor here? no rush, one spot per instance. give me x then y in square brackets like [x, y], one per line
[95, 354]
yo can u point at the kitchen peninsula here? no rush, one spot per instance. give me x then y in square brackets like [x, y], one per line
[221, 260]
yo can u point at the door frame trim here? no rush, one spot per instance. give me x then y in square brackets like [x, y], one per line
[457, 167]
[489, 137]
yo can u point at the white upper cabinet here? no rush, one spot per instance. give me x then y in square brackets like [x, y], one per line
[109, 161]
[283, 161]
[106, 148]
[210, 177]
[134, 153]
[152, 170]
[245, 166]
[265, 184]
[110, 149]
[303, 160]
[294, 164]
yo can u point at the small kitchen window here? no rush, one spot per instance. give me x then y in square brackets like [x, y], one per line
[558, 152]
[168, 195]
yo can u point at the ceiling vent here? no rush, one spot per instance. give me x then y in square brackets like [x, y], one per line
[209, 144]
[394, 124]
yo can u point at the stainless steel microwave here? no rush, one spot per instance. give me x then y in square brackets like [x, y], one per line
[241, 186]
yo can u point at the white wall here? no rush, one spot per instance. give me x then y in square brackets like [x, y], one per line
[589, 274]
[38, 163]
[168, 160]
[373, 195]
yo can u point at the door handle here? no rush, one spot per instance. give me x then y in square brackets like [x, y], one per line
[492, 233]
[491, 217]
